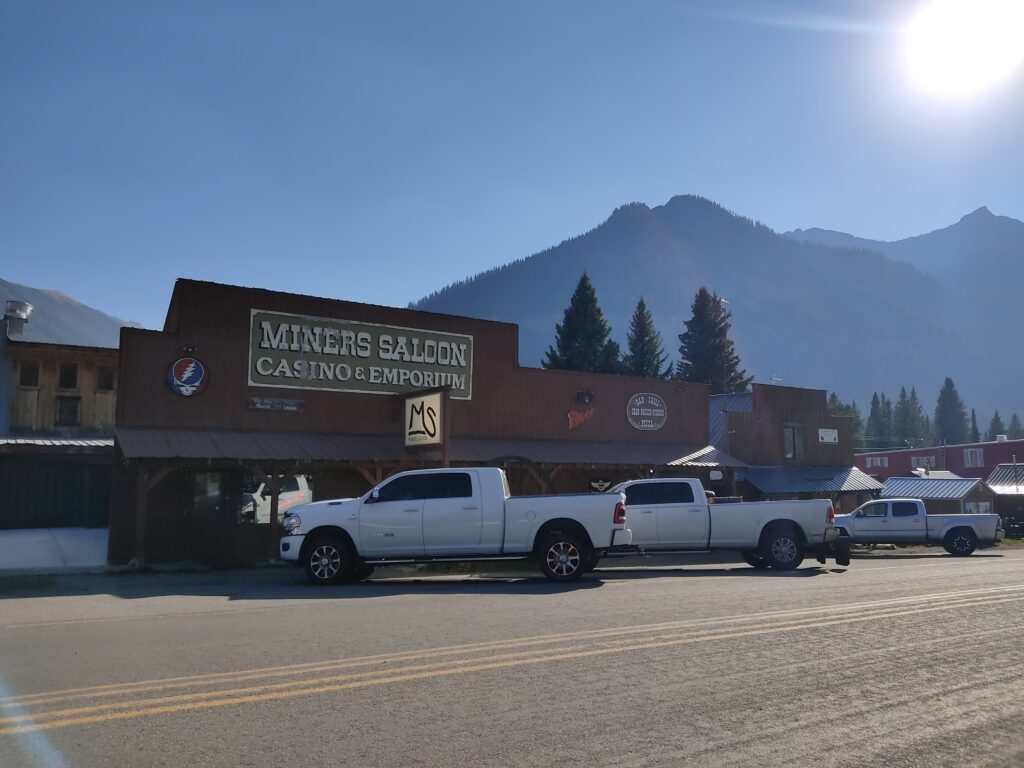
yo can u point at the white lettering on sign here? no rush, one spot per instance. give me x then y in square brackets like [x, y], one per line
[299, 352]
[829, 436]
[646, 411]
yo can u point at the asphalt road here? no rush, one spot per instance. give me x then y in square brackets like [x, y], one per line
[896, 661]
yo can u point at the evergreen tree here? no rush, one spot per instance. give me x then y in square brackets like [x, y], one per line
[837, 407]
[1015, 431]
[920, 428]
[875, 433]
[950, 416]
[706, 353]
[645, 356]
[886, 419]
[995, 427]
[975, 434]
[581, 339]
[902, 420]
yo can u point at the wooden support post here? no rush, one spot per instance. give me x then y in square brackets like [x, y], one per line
[141, 493]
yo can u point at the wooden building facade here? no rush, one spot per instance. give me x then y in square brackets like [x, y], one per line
[244, 388]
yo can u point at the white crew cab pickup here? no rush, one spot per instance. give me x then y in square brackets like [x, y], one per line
[674, 515]
[452, 515]
[906, 521]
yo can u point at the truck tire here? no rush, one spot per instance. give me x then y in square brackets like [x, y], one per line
[563, 556]
[753, 559]
[960, 542]
[329, 560]
[782, 548]
[842, 549]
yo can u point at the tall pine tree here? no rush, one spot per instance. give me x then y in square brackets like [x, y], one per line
[837, 407]
[582, 340]
[975, 434]
[878, 432]
[645, 356]
[706, 353]
[1014, 430]
[995, 427]
[950, 415]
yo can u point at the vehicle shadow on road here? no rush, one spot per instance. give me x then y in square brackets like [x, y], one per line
[739, 571]
[920, 556]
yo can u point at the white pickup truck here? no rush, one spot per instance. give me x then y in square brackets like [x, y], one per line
[452, 515]
[255, 506]
[674, 515]
[906, 521]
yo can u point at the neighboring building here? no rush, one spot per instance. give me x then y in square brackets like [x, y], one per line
[246, 386]
[1007, 484]
[966, 460]
[793, 446]
[942, 496]
[57, 407]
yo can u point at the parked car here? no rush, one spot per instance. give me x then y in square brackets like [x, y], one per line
[452, 515]
[677, 515]
[906, 521]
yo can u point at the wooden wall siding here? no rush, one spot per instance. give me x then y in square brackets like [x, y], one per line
[508, 401]
[39, 493]
[34, 410]
[758, 438]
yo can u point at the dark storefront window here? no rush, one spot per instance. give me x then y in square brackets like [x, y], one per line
[68, 411]
[68, 376]
[793, 446]
[207, 494]
[104, 379]
[28, 374]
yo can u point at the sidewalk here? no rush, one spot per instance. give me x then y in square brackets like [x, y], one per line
[53, 550]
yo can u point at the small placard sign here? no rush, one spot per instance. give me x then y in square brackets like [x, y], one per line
[829, 436]
[423, 419]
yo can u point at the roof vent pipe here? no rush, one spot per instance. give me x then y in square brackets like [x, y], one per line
[15, 316]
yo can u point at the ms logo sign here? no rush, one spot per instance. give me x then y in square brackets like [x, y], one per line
[423, 419]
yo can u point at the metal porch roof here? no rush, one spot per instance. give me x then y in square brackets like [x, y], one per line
[1007, 480]
[809, 479]
[928, 487]
[138, 443]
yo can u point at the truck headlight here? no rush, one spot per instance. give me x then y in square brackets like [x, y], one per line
[291, 523]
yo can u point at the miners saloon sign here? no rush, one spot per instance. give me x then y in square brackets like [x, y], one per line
[297, 352]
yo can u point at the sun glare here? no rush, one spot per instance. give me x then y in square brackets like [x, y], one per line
[957, 48]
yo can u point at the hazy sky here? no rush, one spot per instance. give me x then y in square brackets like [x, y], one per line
[377, 151]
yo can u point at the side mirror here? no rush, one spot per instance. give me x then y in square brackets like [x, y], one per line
[264, 494]
[374, 496]
[859, 513]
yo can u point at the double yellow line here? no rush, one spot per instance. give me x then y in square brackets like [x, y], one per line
[98, 704]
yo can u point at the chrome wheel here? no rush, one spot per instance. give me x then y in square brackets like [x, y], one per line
[325, 562]
[563, 558]
[784, 550]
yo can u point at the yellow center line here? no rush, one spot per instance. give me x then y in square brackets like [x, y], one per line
[116, 689]
[346, 682]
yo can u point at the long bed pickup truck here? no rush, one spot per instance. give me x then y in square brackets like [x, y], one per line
[451, 515]
[906, 521]
[674, 515]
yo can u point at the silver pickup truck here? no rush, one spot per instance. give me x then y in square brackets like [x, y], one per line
[905, 521]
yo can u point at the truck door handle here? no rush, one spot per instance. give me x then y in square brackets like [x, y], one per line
[646, 511]
[416, 509]
[471, 508]
[696, 510]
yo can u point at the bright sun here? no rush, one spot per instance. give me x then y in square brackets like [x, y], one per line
[960, 47]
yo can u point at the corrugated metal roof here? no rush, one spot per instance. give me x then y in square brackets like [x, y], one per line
[1007, 480]
[91, 442]
[718, 406]
[928, 487]
[55, 445]
[196, 444]
[809, 479]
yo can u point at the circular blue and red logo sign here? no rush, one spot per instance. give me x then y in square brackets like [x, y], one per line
[187, 376]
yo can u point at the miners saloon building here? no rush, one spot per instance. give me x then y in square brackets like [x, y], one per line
[252, 396]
